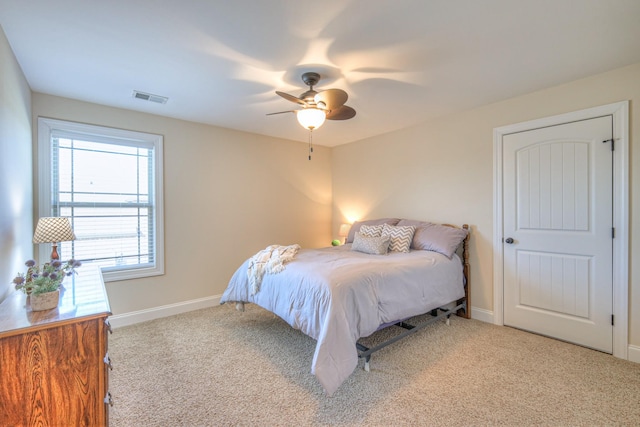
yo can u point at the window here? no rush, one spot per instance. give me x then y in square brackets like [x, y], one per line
[109, 183]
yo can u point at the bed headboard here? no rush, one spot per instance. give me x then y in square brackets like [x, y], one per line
[463, 253]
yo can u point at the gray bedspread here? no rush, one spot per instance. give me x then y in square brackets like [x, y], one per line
[337, 296]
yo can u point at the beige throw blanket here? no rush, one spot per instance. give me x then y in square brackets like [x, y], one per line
[270, 260]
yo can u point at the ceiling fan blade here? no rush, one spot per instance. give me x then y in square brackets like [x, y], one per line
[331, 98]
[343, 113]
[291, 98]
[281, 112]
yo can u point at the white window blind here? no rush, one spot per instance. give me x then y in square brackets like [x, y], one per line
[108, 182]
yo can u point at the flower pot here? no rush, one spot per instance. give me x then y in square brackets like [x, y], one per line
[46, 301]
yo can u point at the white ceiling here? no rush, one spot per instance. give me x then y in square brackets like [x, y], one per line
[401, 61]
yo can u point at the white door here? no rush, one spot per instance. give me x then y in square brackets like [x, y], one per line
[557, 228]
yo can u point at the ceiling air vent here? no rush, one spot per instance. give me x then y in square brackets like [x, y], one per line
[150, 97]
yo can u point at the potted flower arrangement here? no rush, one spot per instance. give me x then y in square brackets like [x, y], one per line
[42, 283]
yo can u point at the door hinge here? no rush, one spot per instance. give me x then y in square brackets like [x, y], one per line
[613, 232]
[612, 141]
[612, 320]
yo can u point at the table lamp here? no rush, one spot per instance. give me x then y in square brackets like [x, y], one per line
[53, 230]
[344, 231]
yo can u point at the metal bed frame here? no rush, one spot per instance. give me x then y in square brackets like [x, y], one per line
[462, 309]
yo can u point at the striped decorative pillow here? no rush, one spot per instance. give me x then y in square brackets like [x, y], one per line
[401, 237]
[371, 230]
[356, 225]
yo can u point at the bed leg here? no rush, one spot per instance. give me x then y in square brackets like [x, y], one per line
[446, 310]
[448, 320]
[240, 306]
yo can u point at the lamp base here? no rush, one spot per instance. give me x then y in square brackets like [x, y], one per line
[54, 251]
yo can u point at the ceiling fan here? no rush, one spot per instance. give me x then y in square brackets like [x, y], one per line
[318, 106]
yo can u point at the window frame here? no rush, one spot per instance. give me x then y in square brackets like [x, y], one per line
[46, 127]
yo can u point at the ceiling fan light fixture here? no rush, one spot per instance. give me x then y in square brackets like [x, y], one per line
[311, 118]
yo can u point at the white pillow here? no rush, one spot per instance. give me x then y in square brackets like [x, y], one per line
[370, 245]
[401, 237]
[439, 238]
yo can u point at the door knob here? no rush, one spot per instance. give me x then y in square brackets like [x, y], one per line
[508, 240]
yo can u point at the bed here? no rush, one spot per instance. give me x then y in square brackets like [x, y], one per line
[337, 295]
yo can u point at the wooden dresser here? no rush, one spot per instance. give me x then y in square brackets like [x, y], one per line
[54, 365]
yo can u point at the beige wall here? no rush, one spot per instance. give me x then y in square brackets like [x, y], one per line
[442, 170]
[16, 223]
[227, 194]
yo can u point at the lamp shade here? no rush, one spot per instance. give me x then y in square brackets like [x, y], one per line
[344, 230]
[311, 118]
[52, 230]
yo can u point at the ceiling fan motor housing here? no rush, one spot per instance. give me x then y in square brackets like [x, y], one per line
[310, 79]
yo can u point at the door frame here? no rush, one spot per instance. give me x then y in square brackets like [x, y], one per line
[620, 113]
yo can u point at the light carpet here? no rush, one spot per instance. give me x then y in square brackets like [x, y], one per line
[220, 367]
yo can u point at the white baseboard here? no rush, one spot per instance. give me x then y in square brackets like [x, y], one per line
[126, 319]
[487, 316]
[634, 353]
[482, 314]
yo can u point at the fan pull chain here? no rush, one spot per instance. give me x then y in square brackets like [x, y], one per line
[310, 143]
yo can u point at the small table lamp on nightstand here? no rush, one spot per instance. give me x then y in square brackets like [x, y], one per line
[53, 230]
[344, 231]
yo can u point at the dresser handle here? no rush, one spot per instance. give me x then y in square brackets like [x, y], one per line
[106, 322]
[107, 361]
[108, 399]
